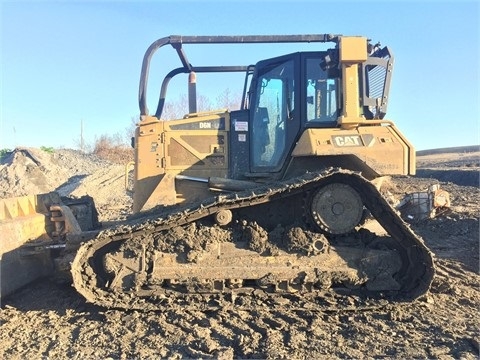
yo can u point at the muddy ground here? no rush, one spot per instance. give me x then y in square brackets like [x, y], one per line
[50, 320]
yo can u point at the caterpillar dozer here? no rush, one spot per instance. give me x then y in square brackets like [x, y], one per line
[276, 199]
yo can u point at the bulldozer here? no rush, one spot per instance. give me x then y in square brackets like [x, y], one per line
[274, 199]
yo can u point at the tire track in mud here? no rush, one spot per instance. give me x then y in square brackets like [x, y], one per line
[262, 333]
[446, 327]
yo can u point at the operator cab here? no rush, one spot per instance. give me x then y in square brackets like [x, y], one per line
[277, 111]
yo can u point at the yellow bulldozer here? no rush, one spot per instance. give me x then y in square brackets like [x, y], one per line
[273, 198]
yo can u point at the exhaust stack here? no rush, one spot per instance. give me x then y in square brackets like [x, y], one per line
[192, 92]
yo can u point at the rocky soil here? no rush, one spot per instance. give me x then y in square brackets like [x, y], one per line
[50, 320]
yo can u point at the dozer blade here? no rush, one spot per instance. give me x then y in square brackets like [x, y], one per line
[33, 229]
[179, 253]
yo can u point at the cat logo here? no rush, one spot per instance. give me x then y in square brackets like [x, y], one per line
[347, 140]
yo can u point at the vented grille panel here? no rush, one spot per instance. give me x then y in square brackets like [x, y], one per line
[376, 81]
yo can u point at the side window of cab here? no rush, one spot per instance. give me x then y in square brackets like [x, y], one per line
[321, 91]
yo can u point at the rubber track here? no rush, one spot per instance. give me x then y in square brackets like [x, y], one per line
[415, 276]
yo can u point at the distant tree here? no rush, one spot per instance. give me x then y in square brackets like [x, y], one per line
[203, 103]
[130, 130]
[113, 148]
[177, 109]
[229, 100]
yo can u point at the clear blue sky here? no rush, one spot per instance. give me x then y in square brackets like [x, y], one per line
[63, 63]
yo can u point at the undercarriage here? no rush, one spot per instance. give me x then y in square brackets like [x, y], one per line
[279, 244]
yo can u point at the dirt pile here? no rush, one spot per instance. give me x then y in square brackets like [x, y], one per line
[51, 320]
[69, 172]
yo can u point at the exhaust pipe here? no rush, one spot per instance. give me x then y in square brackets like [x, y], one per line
[192, 92]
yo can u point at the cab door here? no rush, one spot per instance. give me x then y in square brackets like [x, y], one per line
[274, 117]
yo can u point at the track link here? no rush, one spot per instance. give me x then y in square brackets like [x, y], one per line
[150, 261]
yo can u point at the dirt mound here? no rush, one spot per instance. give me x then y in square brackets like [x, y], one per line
[71, 173]
[52, 320]
[30, 171]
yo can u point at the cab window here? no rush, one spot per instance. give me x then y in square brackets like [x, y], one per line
[321, 91]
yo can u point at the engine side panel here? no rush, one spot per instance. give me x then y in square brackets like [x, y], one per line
[381, 149]
[196, 146]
